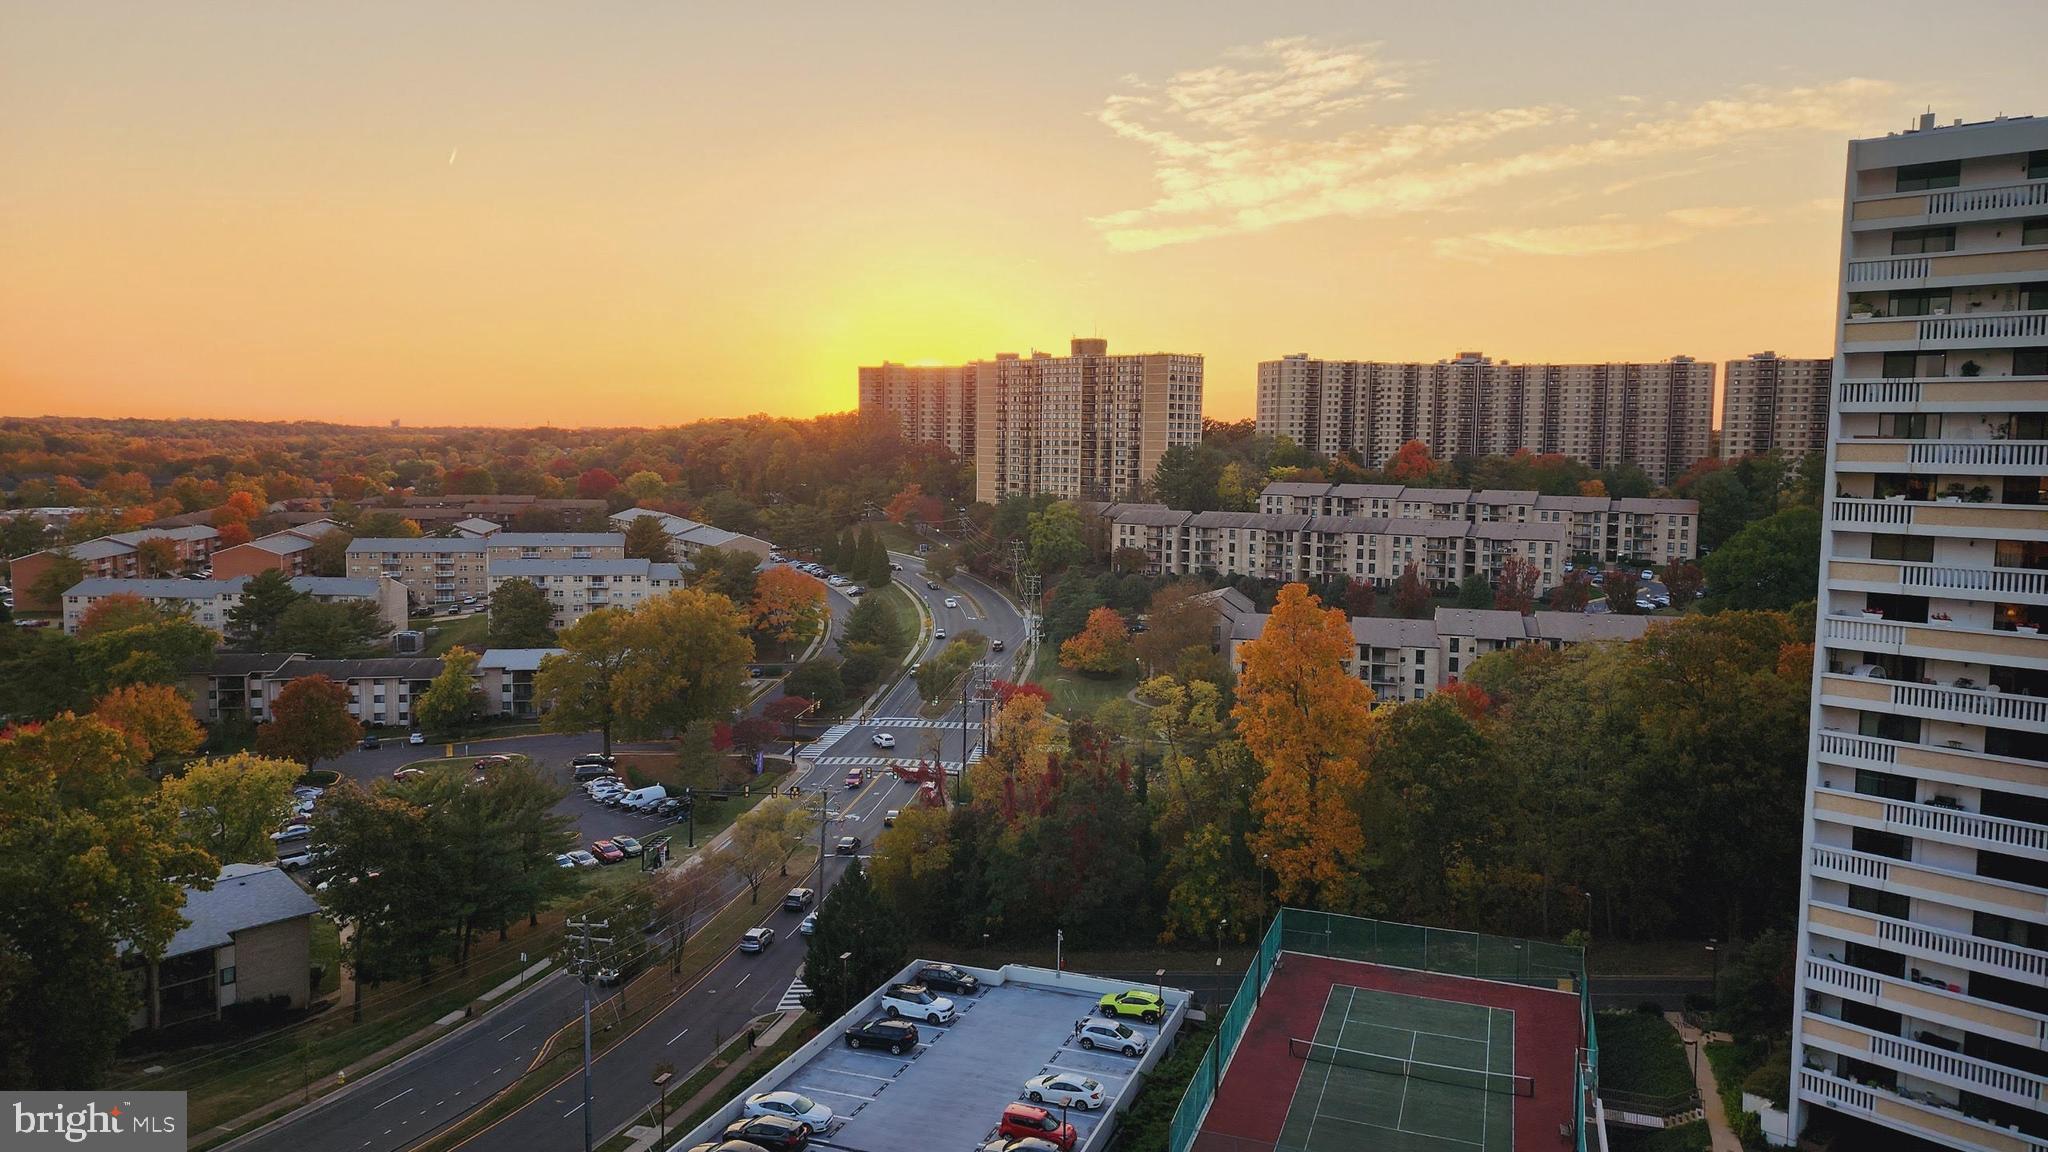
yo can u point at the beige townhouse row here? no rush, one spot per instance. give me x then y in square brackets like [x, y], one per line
[1599, 529]
[447, 571]
[208, 602]
[240, 686]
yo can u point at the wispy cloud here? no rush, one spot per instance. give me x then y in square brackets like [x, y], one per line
[1609, 234]
[1292, 130]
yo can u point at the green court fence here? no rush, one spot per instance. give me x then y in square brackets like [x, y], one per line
[1441, 950]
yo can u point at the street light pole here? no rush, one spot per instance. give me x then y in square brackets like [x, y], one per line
[1059, 947]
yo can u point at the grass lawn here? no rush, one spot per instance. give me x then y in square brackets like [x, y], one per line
[908, 618]
[1641, 1054]
[1692, 1137]
[469, 631]
[897, 538]
[1645, 957]
[1072, 693]
[326, 954]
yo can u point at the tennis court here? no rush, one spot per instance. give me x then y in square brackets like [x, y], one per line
[1404, 1074]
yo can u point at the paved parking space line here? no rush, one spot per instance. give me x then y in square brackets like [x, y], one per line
[807, 1090]
[862, 1075]
[880, 1054]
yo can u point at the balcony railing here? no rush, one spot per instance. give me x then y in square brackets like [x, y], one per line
[1947, 578]
[1851, 864]
[1960, 200]
[1966, 825]
[1850, 510]
[1975, 704]
[1960, 947]
[1834, 1090]
[1938, 882]
[2022, 1086]
[1879, 392]
[1897, 268]
[1849, 1096]
[1980, 453]
[1985, 326]
[1858, 748]
[1842, 977]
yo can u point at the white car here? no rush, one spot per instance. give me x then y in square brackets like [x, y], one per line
[1113, 1036]
[938, 633]
[1649, 575]
[416, 737]
[918, 1003]
[809, 926]
[790, 1106]
[1064, 1089]
[757, 939]
[884, 740]
[952, 603]
[582, 858]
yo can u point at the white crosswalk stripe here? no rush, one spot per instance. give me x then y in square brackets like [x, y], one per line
[877, 761]
[794, 998]
[832, 736]
[911, 722]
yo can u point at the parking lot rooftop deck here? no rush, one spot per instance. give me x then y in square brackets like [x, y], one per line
[949, 1093]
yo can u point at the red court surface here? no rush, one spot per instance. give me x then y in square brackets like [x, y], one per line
[1252, 1101]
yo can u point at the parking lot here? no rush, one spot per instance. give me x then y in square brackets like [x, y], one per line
[950, 1092]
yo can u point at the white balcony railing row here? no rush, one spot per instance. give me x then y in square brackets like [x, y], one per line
[1841, 976]
[1985, 326]
[1966, 825]
[1842, 1093]
[1948, 578]
[1985, 453]
[1960, 200]
[1896, 268]
[1851, 864]
[1957, 1066]
[1858, 631]
[1850, 1096]
[1971, 702]
[1969, 950]
[1858, 511]
[1858, 748]
[1879, 392]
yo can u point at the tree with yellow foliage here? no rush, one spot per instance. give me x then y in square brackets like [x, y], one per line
[1305, 720]
[156, 718]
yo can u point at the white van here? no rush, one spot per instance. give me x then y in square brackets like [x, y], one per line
[644, 797]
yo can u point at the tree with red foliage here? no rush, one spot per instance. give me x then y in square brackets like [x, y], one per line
[1411, 463]
[1471, 699]
[1621, 590]
[309, 722]
[912, 506]
[752, 734]
[1683, 579]
[1572, 593]
[232, 533]
[1006, 691]
[1411, 594]
[1516, 590]
[1360, 598]
[596, 484]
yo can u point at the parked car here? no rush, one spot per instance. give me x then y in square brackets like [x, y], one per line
[918, 1002]
[598, 758]
[855, 592]
[790, 1106]
[486, 763]
[628, 845]
[583, 859]
[1066, 1089]
[883, 740]
[607, 851]
[757, 939]
[1111, 1035]
[1013, 1144]
[810, 925]
[898, 1036]
[368, 743]
[646, 797]
[848, 845]
[416, 737]
[602, 787]
[1030, 1120]
[407, 773]
[947, 978]
[565, 861]
[295, 860]
[591, 772]
[1146, 1006]
[1647, 574]
[798, 899]
[773, 1133]
[289, 833]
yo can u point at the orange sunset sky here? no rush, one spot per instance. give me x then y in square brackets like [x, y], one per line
[644, 213]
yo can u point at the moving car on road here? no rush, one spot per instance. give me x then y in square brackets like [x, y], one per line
[416, 737]
[897, 1036]
[848, 845]
[810, 925]
[952, 603]
[798, 899]
[757, 939]
[883, 740]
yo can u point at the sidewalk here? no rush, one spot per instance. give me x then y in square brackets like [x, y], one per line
[1710, 1092]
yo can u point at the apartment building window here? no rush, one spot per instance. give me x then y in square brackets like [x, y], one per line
[1914, 241]
[1907, 365]
[1885, 784]
[1877, 843]
[1890, 546]
[1892, 904]
[1919, 303]
[2030, 361]
[2008, 930]
[1921, 177]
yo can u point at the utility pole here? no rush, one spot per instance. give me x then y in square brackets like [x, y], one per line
[579, 930]
[824, 818]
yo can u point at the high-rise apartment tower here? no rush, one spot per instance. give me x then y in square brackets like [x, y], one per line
[1773, 404]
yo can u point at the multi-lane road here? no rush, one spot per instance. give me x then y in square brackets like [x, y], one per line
[401, 1105]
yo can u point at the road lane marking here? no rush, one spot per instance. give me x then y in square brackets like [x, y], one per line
[743, 980]
[509, 1035]
[393, 1098]
[677, 1036]
[572, 1111]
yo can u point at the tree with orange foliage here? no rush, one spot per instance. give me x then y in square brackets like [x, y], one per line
[239, 508]
[1516, 590]
[1305, 721]
[1411, 463]
[912, 506]
[156, 718]
[789, 606]
[113, 613]
[156, 557]
[232, 533]
[1102, 647]
[1593, 488]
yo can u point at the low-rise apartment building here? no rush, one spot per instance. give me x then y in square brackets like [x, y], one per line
[238, 685]
[691, 536]
[108, 558]
[289, 552]
[208, 602]
[444, 571]
[1599, 529]
[578, 587]
[246, 940]
[505, 675]
[1409, 659]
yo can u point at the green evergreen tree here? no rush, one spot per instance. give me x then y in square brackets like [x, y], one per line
[252, 623]
[854, 922]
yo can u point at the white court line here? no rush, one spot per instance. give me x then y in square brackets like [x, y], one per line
[1487, 1068]
[1308, 1138]
[1400, 1115]
[572, 1111]
[1405, 1131]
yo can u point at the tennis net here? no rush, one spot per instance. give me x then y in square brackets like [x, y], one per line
[1502, 1082]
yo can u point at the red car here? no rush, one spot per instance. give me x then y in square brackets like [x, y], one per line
[407, 773]
[607, 852]
[1021, 1120]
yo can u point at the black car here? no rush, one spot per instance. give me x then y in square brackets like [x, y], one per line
[897, 1036]
[599, 758]
[369, 743]
[591, 772]
[946, 978]
[776, 1133]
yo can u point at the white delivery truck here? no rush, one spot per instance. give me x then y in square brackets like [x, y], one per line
[644, 797]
